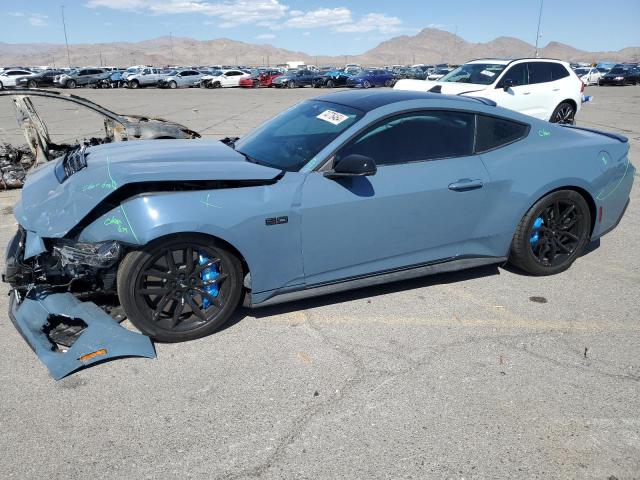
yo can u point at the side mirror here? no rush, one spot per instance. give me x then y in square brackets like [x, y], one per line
[507, 84]
[353, 165]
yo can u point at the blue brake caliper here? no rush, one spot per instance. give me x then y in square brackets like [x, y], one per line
[207, 274]
[534, 233]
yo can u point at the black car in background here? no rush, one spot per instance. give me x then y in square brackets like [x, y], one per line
[42, 79]
[621, 74]
[331, 78]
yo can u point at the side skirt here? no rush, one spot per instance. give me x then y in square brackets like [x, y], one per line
[379, 278]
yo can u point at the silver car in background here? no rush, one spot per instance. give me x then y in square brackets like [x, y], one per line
[82, 77]
[182, 79]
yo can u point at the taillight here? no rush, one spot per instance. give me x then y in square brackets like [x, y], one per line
[582, 86]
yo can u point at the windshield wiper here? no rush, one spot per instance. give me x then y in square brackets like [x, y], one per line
[230, 141]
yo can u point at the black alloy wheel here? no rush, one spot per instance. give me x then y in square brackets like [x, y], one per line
[552, 234]
[180, 289]
[564, 113]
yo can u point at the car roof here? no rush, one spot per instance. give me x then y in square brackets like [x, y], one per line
[366, 100]
[507, 61]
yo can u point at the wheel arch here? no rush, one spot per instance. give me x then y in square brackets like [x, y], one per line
[214, 237]
[583, 192]
[570, 101]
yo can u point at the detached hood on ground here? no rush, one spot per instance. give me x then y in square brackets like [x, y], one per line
[448, 88]
[51, 207]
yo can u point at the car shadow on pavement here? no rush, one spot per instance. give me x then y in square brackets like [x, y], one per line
[359, 294]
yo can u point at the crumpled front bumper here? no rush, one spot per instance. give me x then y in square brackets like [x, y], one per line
[102, 338]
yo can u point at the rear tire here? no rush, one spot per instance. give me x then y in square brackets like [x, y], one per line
[178, 311]
[565, 113]
[552, 234]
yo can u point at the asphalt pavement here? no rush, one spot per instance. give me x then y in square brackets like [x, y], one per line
[487, 373]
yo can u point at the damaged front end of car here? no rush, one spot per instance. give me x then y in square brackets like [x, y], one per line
[50, 304]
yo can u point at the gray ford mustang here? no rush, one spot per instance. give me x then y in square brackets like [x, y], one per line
[342, 191]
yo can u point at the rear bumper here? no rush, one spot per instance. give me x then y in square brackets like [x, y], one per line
[90, 335]
[613, 200]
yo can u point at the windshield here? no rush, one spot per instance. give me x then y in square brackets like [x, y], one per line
[477, 73]
[295, 136]
[582, 71]
[618, 70]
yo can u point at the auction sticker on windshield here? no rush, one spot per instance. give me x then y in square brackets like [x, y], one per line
[332, 117]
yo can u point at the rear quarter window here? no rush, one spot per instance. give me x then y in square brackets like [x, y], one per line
[558, 71]
[494, 132]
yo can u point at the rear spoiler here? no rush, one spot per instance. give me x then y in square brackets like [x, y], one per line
[615, 136]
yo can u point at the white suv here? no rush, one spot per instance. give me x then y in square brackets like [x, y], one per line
[540, 87]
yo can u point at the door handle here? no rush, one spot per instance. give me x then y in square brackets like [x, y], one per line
[526, 93]
[465, 184]
[556, 89]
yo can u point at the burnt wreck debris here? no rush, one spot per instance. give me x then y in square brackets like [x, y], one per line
[15, 162]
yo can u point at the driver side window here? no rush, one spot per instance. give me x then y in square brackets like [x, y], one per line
[415, 137]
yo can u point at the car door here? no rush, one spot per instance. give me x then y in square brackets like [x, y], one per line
[421, 206]
[512, 90]
[233, 78]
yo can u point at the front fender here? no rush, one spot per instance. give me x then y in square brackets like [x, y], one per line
[237, 216]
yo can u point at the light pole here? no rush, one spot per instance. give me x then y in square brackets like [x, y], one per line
[171, 46]
[539, 21]
[64, 26]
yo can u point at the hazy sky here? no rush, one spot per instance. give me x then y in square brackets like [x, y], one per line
[322, 27]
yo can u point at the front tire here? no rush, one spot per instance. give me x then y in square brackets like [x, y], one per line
[366, 84]
[32, 84]
[552, 234]
[180, 288]
[173, 84]
[70, 84]
[134, 84]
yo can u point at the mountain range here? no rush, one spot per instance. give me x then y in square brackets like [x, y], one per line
[428, 46]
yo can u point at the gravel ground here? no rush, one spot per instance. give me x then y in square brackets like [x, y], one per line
[452, 376]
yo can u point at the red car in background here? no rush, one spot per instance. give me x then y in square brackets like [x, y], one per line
[249, 82]
[266, 77]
